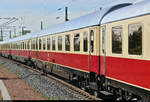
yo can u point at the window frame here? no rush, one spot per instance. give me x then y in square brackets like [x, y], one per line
[36, 44]
[66, 45]
[40, 43]
[43, 43]
[93, 41]
[53, 45]
[85, 33]
[49, 44]
[76, 49]
[121, 39]
[33, 44]
[142, 25]
[59, 48]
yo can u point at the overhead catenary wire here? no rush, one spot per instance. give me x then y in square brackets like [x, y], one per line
[66, 4]
[9, 22]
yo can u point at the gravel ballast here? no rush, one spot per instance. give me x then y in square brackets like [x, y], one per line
[48, 87]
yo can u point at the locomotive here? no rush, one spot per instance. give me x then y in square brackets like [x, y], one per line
[106, 51]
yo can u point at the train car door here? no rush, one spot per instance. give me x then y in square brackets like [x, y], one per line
[10, 50]
[103, 58]
[29, 48]
[36, 51]
[91, 48]
[48, 49]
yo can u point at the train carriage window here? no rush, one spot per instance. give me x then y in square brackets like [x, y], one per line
[40, 44]
[22, 45]
[44, 44]
[16, 45]
[28, 45]
[67, 42]
[48, 43]
[53, 43]
[19, 45]
[85, 41]
[59, 43]
[135, 39]
[117, 40]
[91, 41]
[76, 42]
[33, 44]
[25, 45]
[36, 44]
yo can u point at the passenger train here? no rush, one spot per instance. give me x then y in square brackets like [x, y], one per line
[106, 52]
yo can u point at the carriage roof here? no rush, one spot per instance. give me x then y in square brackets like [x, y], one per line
[135, 10]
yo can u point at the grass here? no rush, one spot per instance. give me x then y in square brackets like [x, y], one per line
[14, 96]
[2, 63]
[22, 96]
[51, 98]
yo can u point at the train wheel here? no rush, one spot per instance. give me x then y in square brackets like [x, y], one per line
[139, 99]
[43, 69]
[70, 77]
[35, 65]
[46, 71]
[8, 57]
[29, 63]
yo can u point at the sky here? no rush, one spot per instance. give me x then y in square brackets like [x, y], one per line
[31, 12]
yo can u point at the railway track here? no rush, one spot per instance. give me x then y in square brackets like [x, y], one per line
[72, 87]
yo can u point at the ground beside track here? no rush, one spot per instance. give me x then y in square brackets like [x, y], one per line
[17, 88]
[49, 88]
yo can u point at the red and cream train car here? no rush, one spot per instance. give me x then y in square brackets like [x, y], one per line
[106, 50]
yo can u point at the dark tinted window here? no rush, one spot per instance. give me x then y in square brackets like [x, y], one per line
[59, 42]
[117, 40]
[36, 44]
[22, 45]
[67, 42]
[76, 42]
[40, 44]
[44, 45]
[48, 43]
[33, 44]
[53, 43]
[85, 41]
[92, 41]
[28, 45]
[135, 39]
